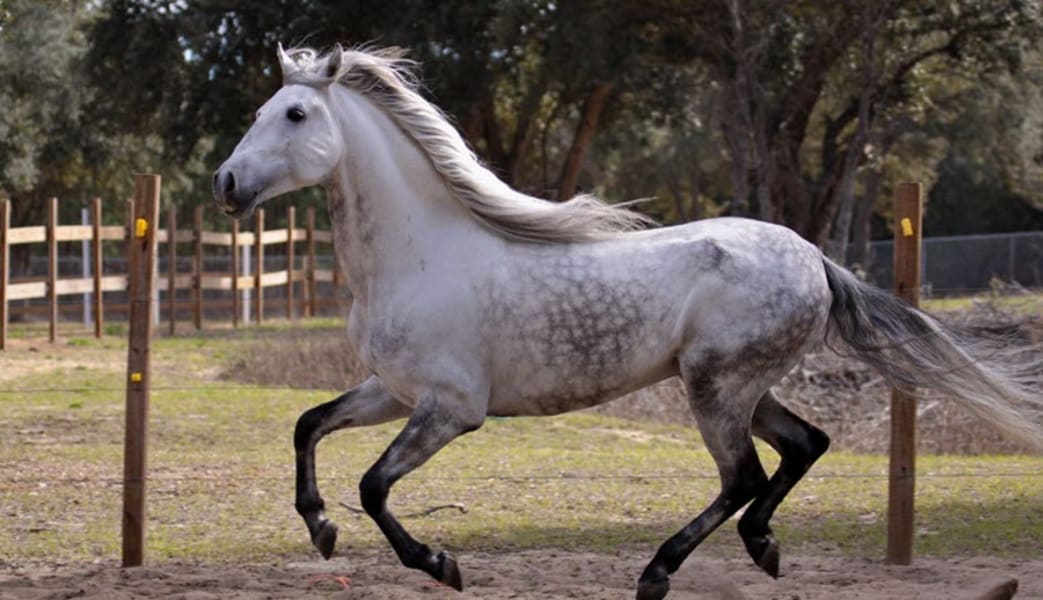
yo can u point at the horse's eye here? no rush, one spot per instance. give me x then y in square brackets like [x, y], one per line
[295, 114]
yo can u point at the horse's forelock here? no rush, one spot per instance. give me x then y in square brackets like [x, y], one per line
[359, 67]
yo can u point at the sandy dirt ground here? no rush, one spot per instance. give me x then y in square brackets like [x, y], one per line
[544, 574]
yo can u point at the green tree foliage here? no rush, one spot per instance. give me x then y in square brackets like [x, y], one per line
[40, 149]
[801, 112]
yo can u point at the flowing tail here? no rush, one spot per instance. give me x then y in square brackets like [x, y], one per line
[998, 380]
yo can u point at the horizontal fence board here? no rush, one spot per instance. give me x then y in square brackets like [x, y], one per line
[64, 287]
[27, 235]
[63, 233]
[325, 237]
[181, 236]
[113, 232]
[73, 233]
[181, 282]
[274, 236]
[216, 282]
[274, 278]
[26, 290]
[217, 238]
[323, 275]
[114, 283]
[211, 282]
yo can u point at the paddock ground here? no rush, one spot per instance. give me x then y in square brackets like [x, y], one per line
[565, 507]
[543, 574]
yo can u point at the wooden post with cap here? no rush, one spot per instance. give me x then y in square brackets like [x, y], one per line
[902, 473]
[142, 270]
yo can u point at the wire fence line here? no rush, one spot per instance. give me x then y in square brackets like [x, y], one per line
[422, 478]
[953, 265]
[519, 478]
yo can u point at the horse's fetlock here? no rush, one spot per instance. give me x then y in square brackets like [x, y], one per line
[309, 504]
[420, 557]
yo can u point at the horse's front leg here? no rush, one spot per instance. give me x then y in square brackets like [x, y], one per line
[432, 425]
[368, 404]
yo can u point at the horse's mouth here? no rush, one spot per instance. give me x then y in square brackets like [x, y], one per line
[239, 210]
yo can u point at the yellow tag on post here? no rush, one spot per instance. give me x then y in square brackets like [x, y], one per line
[140, 227]
[136, 377]
[907, 227]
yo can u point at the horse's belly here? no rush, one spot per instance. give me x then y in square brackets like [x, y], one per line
[569, 375]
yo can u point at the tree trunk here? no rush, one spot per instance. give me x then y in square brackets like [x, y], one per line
[497, 156]
[861, 228]
[844, 204]
[523, 130]
[735, 136]
[471, 125]
[590, 117]
[677, 194]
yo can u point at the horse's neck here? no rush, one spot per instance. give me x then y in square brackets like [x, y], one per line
[393, 215]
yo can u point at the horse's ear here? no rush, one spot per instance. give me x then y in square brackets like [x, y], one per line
[336, 57]
[289, 67]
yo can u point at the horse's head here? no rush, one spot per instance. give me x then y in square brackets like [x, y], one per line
[293, 143]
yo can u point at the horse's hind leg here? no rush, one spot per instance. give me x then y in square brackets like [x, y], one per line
[368, 404]
[799, 444]
[724, 417]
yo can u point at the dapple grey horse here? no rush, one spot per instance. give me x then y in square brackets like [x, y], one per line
[472, 299]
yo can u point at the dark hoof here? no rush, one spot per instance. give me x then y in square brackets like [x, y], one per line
[765, 552]
[653, 590]
[448, 572]
[325, 538]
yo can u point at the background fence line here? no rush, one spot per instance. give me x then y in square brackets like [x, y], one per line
[196, 281]
[213, 273]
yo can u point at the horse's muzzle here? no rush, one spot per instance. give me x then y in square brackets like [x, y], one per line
[232, 199]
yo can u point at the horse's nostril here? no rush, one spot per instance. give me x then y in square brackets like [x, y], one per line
[229, 183]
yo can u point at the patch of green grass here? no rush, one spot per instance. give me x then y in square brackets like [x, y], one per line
[221, 476]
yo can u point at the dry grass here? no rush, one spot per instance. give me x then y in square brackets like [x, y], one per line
[221, 464]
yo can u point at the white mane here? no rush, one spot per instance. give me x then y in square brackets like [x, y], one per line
[385, 77]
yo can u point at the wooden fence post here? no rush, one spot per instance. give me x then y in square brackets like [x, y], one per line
[142, 270]
[259, 267]
[902, 476]
[52, 267]
[5, 262]
[197, 268]
[291, 222]
[309, 284]
[97, 258]
[235, 273]
[172, 267]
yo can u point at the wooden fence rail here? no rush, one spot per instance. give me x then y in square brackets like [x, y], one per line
[198, 280]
